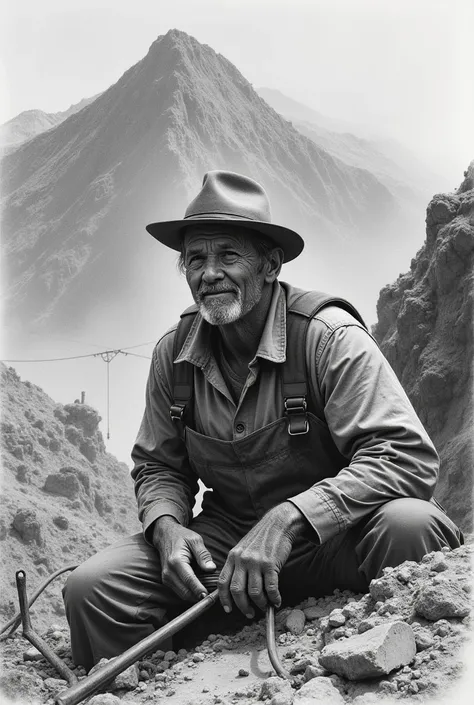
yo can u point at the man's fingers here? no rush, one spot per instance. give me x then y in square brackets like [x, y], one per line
[223, 584]
[182, 579]
[238, 590]
[271, 587]
[255, 589]
[201, 554]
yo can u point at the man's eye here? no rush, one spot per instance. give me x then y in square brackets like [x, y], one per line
[194, 261]
[229, 255]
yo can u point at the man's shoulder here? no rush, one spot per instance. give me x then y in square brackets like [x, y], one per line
[322, 307]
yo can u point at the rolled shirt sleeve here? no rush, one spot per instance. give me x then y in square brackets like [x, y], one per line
[373, 425]
[164, 480]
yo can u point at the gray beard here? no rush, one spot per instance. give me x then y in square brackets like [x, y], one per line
[219, 315]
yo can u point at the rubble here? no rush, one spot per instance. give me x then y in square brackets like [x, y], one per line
[410, 657]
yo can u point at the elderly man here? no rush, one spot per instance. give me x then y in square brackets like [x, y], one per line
[319, 471]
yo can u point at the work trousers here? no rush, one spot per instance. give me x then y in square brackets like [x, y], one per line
[117, 598]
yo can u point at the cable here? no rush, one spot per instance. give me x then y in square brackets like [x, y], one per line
[78, 357]
[16, 620]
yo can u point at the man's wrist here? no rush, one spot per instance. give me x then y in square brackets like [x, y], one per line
[162, 525]
[292, 519]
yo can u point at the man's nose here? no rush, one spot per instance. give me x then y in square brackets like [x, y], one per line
[212, 271]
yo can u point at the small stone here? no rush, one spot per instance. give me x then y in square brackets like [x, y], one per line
[104, 699]
[144, 675]
[404, 575]
[282, 699]
[439, 562]
[318, 690]
[423, 639]
[374, 653]
[337, 618]
[162, 667]
[32, 654]
[295, 621]
[314, 612]
[273, 685]
[243, 673]
[55, 685]
[310, 632]
[198, 657]
[127, 680]
[339, 633]
[313, 671]
[413, 687]
[170, 656]
[188, 677]
[448, 600]
[364, 625]
[382, 589]
[300, 665]
[205, 689]
[182, 653]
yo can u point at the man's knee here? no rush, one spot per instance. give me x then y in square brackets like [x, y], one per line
[403, 529]
[407, 517]
[81, 586]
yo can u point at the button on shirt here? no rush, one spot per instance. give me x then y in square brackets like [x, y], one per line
[353, 390]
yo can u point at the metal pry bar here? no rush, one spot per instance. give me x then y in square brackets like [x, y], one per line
[89, 685]
[34, 638]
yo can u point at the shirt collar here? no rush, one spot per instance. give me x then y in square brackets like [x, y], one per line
[197, 347]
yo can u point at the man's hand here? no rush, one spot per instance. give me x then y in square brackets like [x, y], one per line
[178, 548]
[250, 573]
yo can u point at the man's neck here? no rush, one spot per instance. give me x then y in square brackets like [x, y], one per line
[241, 339]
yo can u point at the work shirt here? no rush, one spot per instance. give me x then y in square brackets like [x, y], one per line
[353, 392]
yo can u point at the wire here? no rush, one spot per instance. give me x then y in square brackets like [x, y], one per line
[78, 357]
[16, 620]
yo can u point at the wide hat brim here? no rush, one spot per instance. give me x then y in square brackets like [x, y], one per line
[170, 233]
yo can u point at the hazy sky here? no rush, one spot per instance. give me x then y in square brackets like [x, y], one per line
[402, 68]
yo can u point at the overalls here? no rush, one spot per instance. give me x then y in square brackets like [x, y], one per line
[116, 598]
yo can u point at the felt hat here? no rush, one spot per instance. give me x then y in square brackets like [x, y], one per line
[227, 198]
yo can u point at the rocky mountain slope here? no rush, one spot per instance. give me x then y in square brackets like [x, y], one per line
[77, 197]
[425, 329]
[391, 163]
[64, 497]
[30, 123]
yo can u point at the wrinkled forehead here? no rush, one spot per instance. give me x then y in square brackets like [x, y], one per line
[219, 235]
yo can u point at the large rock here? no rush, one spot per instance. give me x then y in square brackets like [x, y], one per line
[376, 652]
[445, 599]
[318, 690]
[28, 526]
[64, 484]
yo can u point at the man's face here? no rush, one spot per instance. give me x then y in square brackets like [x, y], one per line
[223, 271]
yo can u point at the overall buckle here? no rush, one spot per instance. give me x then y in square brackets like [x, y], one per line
[177, 411]
[295, 410]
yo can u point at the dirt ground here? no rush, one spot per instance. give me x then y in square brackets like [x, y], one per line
[433, 597]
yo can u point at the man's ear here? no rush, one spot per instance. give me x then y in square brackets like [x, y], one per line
[273, 264]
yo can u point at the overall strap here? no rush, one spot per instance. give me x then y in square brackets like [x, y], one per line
[183, 373]
[295, 374]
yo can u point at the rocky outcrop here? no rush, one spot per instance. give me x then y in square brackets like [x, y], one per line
[425, 329]
[64, 497]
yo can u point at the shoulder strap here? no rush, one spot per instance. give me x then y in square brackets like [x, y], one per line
[295, 374]
[183, 374]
